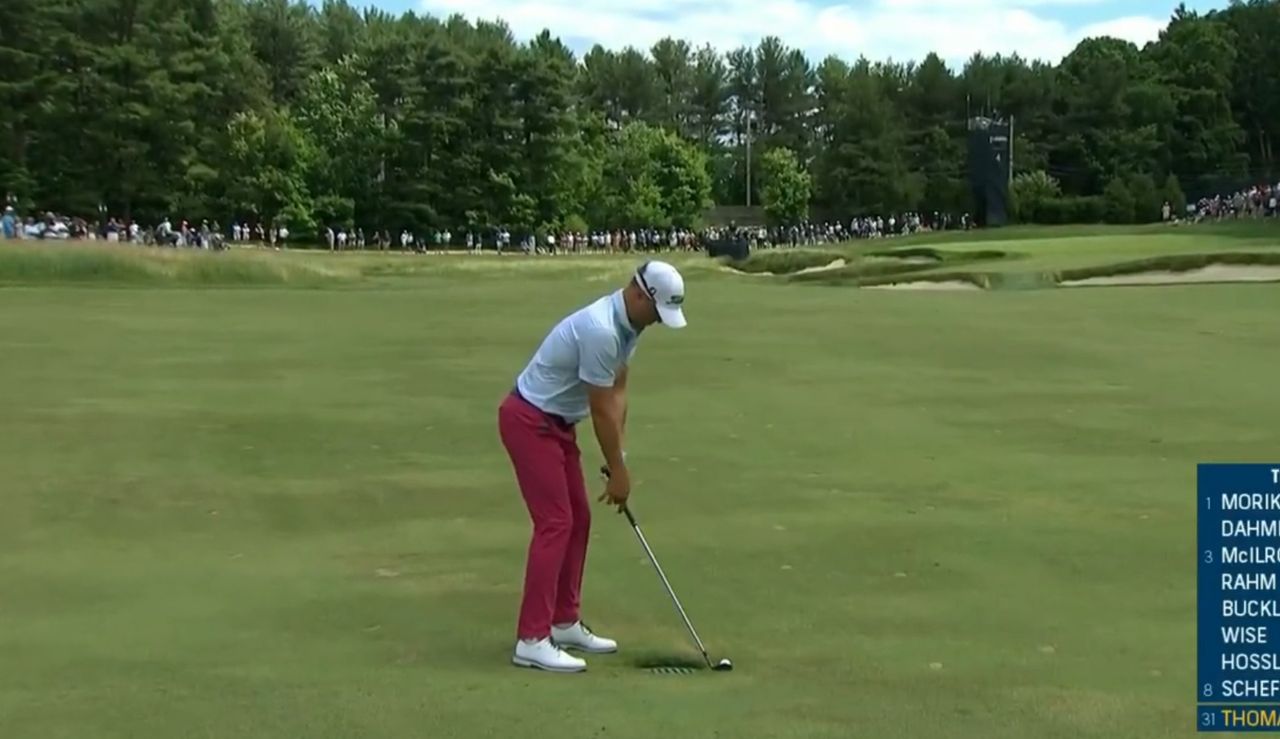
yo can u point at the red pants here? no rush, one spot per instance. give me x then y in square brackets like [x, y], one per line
[548, 467]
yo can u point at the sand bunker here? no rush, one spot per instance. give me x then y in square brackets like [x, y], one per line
[926, 285]
[1211, 273]
[837, 264]
[731, 270]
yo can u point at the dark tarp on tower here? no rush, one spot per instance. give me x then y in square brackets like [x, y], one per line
[989, 155]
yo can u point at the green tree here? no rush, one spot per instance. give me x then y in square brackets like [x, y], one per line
[673, 68]
[1119, 203]
[269, 159]
[340, 30]
[149, 108]
[285, 38]
[862, 169]
[1196, 60]
[545, 104]
[27, 30]
[1029, 192]
[784, 82]
[1173, 195]
[1255, 86]
[337, 114]
[708, 98]
[1146, 198]
[1116, 115]
[785, 187]
[652, 178]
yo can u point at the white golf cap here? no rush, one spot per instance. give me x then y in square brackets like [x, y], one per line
[665, 285]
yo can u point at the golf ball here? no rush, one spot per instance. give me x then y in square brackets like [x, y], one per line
[725, 665]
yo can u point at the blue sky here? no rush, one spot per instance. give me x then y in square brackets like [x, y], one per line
[878, 29]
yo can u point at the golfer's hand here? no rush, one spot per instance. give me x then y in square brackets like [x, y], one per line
[618, 488]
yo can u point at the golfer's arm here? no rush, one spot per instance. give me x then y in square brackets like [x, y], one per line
[620, 389]
[607, 418]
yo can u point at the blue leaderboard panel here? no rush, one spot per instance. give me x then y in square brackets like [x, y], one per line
[1238, 624]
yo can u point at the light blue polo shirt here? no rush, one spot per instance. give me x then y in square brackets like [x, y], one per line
[589, 345]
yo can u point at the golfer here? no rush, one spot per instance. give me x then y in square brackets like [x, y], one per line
[579, 370]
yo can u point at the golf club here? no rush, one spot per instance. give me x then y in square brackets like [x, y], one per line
[723, 665]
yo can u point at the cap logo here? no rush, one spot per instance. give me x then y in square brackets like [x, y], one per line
[675, 300]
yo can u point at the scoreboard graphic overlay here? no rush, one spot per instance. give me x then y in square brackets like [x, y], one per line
[1238, 598]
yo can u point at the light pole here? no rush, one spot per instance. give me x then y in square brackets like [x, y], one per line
[748, 158]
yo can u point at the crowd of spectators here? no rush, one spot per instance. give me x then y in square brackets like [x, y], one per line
[211, 235]
[1255, 202]
[1259, 201]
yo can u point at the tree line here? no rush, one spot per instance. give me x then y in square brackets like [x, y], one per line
[279, 111]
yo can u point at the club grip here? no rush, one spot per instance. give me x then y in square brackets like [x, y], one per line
[604, 470]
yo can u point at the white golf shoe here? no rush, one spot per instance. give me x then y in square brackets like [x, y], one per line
[544, 655]
[578, 636]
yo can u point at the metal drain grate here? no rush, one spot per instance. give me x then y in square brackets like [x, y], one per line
[668, 664]
[671, 671]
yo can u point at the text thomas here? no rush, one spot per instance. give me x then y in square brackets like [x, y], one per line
[1240, 718]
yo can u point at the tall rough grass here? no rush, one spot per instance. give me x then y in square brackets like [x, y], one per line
[115, 264]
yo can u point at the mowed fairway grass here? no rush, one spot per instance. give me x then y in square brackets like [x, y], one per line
[285, 512]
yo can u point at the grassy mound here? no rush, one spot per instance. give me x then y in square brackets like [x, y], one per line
[909, 261]
[793, 262]
[1170, 263]
[53, 264]
[785, 261]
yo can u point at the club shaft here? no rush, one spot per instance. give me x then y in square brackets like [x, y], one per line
[667, 584]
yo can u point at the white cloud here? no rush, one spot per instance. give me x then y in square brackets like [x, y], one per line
[1136, 28]
[879, 29]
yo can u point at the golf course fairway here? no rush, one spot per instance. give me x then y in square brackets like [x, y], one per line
[284, 511]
